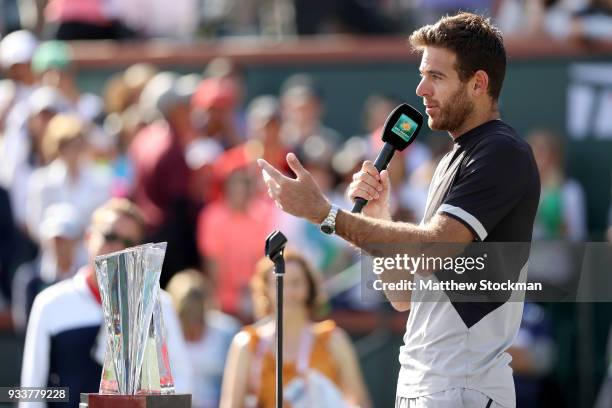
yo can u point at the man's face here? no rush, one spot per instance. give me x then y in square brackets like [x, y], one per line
[446, 99]
[303, 110]
[113, 233]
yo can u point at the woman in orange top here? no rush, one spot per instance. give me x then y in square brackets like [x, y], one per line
[313, 353]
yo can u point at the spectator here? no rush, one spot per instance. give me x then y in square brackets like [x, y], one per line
[60, 234]
[22, 151]
[208, 334]
[124, 121]
[162, 176]
[16, 50]
[63, 345]
[69, 176]
[21, 156]
[320, 366]
[231, 232]
[118, 132]
[263, 130]
[53, 62]
[560, 219]
[228, 69]
[302, 109]
[214, 108]
[263, 140]
[123, 89]
[561, 213]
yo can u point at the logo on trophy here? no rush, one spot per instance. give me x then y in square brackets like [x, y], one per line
[136, 363]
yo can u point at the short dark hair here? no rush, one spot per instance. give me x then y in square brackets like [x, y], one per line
[477, 44]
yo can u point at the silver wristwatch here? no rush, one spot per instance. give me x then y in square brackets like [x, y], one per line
[328, 225]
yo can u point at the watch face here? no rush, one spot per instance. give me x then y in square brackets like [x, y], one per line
[327, 229]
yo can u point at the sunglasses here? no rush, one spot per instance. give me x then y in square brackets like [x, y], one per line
[112, 236]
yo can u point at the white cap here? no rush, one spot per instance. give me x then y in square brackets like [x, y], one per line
[17, 48]
[164, 91]
[47, 98]
[60, 220]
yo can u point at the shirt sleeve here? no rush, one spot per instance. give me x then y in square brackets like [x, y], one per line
[489, 186]
[35, 367]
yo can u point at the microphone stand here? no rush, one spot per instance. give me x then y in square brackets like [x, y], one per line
[275, 245]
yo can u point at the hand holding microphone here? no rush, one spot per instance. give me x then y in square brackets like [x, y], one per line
[372, 182]
[373, 186]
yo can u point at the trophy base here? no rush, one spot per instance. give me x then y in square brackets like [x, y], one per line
[135, 401]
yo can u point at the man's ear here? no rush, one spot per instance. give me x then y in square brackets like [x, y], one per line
[480, 82]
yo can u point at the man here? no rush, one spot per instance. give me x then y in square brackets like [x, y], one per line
[62, 345]
[60, 238]
[162, 176]
[16, 50]
[214, 106]
[485, 189]
[302, 113]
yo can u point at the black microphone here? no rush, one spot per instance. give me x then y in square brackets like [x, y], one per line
[401, 129]
[275, 248]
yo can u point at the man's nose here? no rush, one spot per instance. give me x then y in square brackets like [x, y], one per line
[423, 89]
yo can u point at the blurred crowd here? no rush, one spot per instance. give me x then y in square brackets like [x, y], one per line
[186, 20]
[182, 148]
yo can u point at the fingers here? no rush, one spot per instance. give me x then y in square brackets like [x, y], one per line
[296, 166]
[369, 176]
[359, 185]
[366, 193]
[386, 182]
[369, 168]
[269, 172]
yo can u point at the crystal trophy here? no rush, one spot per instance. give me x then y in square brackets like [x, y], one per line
[136, 360]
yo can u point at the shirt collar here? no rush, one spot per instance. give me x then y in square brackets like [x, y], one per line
[474, 133]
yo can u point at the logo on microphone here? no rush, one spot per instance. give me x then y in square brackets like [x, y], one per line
[404, 127]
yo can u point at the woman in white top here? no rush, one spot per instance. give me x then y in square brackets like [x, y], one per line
[69, 176]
